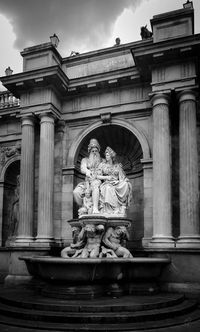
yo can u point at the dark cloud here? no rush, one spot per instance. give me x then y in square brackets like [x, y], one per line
[76, 22]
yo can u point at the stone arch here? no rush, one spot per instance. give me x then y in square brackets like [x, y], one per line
[7, 164]
[133, 128]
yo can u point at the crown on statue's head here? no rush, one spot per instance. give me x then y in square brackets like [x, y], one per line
[93, 144]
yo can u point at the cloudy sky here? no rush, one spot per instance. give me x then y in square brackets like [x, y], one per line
[82, 25]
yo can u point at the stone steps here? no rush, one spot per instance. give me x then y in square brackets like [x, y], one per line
[29, 300]
[27, 309]
[185, 323]
[97, 317]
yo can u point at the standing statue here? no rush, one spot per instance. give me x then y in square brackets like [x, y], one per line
[89, 167]
[15, 210]
[115, 189]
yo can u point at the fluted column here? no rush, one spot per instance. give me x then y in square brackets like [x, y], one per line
[189, 180]
[162, 219]
[46, 176]
[26, 200]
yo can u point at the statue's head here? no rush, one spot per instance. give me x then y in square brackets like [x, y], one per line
[87, 193]
[110, 153]
[121, 230]
[94, 145]
[117, 41]
[76, 230]
[90, 229]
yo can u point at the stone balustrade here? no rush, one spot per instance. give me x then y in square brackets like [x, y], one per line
[8, 100]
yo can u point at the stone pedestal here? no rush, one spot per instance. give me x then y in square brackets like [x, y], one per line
[189, 180]
[26, 200]
[46, 178]
[162, 223]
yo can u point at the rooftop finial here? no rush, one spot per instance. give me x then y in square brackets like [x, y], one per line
[8, 71]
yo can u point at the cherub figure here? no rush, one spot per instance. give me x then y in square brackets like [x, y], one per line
[87, 204]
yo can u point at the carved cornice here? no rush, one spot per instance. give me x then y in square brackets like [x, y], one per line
[43, 77]
[152, 54]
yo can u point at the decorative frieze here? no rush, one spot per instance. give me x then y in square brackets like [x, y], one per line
[7, 152]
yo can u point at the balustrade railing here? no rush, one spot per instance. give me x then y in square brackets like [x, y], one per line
[7, 100]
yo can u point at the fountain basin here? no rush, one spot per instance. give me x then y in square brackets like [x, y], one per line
[80, 277]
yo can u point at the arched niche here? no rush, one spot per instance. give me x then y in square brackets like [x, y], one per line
[129, 153]
[98, 125]
[10, 176]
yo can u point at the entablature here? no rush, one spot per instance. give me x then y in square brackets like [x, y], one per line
[173, 50]
[43, 77]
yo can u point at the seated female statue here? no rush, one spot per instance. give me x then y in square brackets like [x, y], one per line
[115, 189]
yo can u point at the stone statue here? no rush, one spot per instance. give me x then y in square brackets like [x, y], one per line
[93, 235]
[115, 189]
[15, 210]
[117, 41]
[89, 167]
[87, 207]
[103, 198]
[106, 189]
[145, 33]
[78, 242]
[115, 239]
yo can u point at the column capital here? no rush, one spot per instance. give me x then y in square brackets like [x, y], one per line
[187, 95]
[47, 117]
[28, 120]
[160, 98]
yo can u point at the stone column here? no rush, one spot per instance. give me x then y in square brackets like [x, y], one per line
[189, 180]
[46, 179]
[26, 200]
[162, 218]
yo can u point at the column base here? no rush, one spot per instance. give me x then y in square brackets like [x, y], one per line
[162, 242]
[192, 241]
[146, 241]
[43, 241]
[22, 241]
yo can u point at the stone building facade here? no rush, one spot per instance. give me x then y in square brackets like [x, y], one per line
[142, 99]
